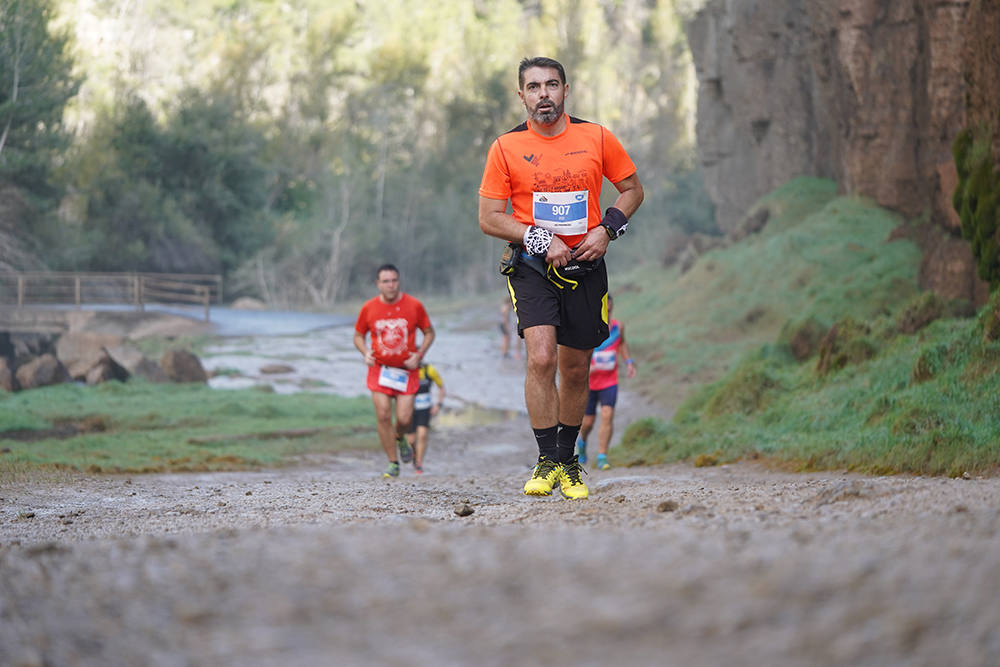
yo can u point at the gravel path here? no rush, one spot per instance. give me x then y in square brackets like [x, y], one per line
[327, 563]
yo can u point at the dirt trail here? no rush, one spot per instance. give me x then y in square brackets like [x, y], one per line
[327, 563]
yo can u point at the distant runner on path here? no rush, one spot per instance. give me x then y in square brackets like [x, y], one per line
[551, 169]
[604, 391]
[424, 407]
[393, 318]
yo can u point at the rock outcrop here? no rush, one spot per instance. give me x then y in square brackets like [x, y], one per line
[41, 372]
[181, 365]
[136, 363]
[870, 93]
[81, 351]
[760, 119]
[28, 361]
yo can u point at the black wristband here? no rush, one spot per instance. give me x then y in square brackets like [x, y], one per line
[615, 221]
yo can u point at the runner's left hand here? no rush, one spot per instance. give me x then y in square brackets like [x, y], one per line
[412, 362]
[594, 245]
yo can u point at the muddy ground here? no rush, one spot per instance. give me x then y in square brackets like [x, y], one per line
[325, 562]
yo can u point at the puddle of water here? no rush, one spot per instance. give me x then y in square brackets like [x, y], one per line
[325, 361]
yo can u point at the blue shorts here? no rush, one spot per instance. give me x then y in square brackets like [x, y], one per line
[607, 396]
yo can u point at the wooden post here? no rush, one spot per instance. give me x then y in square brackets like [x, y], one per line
[20, 291]
[76, 285]
[206, 296]
[140, 287]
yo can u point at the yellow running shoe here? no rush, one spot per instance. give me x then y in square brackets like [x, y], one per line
[543, 478]
[570, 483]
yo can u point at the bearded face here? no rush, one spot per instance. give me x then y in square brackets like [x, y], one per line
[544, 94]
[547, 112]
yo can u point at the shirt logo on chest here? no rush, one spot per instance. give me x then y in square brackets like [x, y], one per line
[533, 159]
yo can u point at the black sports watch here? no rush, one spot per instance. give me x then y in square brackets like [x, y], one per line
[615, 223]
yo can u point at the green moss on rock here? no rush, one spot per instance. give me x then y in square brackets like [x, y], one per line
[977, 198]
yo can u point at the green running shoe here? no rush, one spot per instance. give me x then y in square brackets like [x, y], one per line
[392, 470]
[405, 451]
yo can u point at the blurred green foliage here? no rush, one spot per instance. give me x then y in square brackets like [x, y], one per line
[295, 147]
[36, 82]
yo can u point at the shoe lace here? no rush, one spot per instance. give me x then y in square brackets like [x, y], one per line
[572, 471]
[544, 468]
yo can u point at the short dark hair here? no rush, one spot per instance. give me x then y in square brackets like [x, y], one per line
[539, 61]
[386, 267]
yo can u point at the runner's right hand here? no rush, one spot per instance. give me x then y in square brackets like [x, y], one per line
[559, 253]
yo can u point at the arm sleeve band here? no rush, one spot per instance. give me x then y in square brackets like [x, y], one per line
[537, 241]
[615, 219]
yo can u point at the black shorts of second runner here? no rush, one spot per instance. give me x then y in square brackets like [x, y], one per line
[607, 396]
[579, 315]
[420, 418]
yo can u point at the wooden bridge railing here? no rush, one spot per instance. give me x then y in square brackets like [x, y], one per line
[54, 287]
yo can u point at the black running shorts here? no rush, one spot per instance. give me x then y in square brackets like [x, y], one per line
[580, 314]
[420, 418]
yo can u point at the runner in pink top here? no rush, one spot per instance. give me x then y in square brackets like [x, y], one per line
[604, 390]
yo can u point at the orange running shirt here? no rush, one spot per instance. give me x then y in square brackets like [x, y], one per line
[393, 327]
[555, 181]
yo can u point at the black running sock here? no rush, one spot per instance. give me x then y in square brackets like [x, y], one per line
[566, 442]
[546, 439]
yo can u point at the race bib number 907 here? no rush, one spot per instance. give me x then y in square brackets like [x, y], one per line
[561, 212]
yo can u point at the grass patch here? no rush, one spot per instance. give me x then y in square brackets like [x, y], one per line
[928, 403]
[894, 384]
[146, 427]
[154, 347]
[820, 256]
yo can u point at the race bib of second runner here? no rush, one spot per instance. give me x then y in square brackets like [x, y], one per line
[561, 212]
[394, 378]
[603, 360]
[422, 401]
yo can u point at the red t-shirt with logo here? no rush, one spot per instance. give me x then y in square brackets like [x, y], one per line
[522, 163]
[393, 328]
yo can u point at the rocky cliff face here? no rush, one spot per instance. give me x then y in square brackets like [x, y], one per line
[870, 93]
[758, 120]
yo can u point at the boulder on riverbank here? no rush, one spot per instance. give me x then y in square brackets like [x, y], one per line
[94, 348]
[41, 372]
[181, 365]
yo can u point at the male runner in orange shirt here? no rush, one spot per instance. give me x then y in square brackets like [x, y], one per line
[551, 169]
[393, 318]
